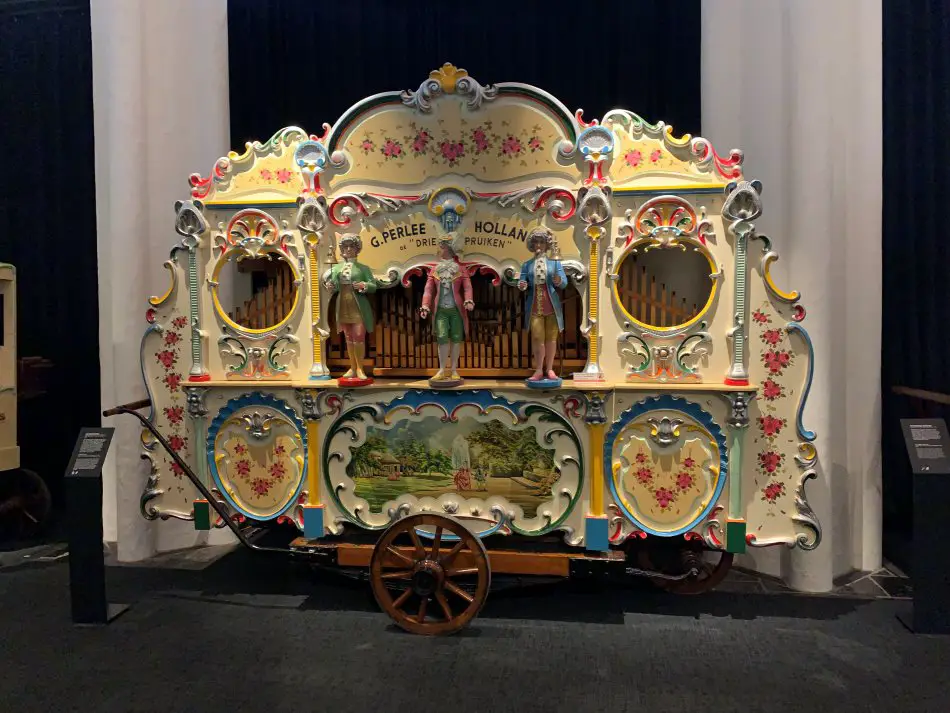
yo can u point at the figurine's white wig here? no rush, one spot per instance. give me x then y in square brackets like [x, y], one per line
[351, 239]
[455, 241]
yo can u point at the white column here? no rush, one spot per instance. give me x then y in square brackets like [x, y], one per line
[797, 86]
[160, 90]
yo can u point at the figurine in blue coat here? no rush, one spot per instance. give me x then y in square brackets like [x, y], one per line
[541, 278]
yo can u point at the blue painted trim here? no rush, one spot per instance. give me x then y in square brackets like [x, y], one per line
[148, 388]
[804, 433]
[313, 522]
[596, 534]
[666, 191]
[320, 377]
[255, 399]
[543, 383]
[673, 403]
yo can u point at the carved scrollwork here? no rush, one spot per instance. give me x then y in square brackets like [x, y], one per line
[448, 80]
[195, 397]
[312, 215]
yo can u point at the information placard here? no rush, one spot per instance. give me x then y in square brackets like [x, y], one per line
[90, 452]
[928, 445]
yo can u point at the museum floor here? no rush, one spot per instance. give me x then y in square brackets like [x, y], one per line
[235, 631]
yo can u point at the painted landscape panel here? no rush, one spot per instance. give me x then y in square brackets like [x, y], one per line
[429, 458]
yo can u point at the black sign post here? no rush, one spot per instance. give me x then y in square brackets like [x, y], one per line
[928, 446]
[87, 571]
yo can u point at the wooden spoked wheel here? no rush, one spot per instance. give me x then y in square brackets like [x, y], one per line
[434, 584]
[712, 566]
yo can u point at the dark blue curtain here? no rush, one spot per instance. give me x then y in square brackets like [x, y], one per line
[299, 62]
[48, 217]
[916, 251]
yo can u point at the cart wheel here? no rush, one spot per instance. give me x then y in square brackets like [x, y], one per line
[674, 562]
[25, 503]
[432, 586]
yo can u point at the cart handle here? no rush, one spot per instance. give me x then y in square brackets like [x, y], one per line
[131, 409]
[134, 406]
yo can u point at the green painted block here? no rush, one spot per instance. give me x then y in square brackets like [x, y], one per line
[735, 537]
[202, 515]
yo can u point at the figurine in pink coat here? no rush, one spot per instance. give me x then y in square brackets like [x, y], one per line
[448, 298]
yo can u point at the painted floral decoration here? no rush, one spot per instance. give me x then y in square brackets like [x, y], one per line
[773, 491]
[168, 357]
[633, 158]
[391, 149]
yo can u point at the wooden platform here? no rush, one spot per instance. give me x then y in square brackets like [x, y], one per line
[551, 564]
[493, 384]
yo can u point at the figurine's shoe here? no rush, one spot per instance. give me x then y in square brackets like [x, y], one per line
[350, 374]
[552, 375]
[536, 376]
[439, 375]
[455, 376]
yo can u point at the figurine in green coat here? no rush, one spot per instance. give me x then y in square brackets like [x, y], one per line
[352, 281]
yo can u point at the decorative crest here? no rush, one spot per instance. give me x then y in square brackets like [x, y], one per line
[449, 79]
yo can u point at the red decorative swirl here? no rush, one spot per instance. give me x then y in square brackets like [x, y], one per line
[557, 193]
[579, 114]
[730, 167]
[326, 132]
[201, 187]
[420, 271]
[691, 536]
[572, 407]
[342, 201]
[799, 313]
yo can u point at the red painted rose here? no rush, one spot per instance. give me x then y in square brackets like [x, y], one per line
[240, 449]
[392, 149]
[688, 462]
[771, 390]
[772, 491]
[260, 486]
[266, 175]
[770, 461]
[283, 175]
[655, 155]
[770, 425]
[641, 457]
[367, 145]
[166, 358]
[277, 470]
[421, 142]
[243, 467]
[177, 443]
[664, 498]
[174, 414]
[772, 336]
[452, 151]
[775, 361]
[172, 381]
[180, 322]
[633, 158]
[279, 449]
[177, 469]
[511, 146]
[172, 338]
[644, 475]
[480, 139]
[760, 317]
[684, 480]
[534, 143]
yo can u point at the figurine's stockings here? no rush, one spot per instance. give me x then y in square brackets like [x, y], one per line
[456, 348]
[355, 349]
[444, 357]
[549, 352]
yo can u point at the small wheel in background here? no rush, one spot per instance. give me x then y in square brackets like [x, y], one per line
[430, 574]
[712, 567]
[25, 504]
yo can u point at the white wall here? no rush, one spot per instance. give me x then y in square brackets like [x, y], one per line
[797, 86]
[160, 89]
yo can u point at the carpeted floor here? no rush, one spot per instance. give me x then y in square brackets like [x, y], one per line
[248, 633]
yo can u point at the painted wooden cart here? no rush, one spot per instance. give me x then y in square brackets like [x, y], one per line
[674, 441]
[25, 500]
